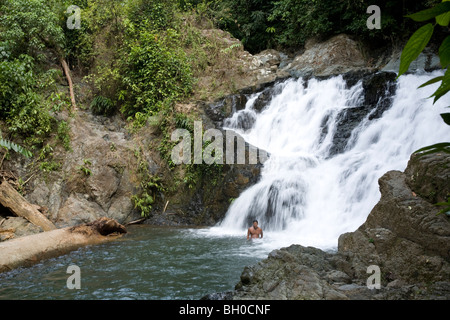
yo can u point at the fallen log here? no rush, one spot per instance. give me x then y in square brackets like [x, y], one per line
[28, 250]
[18, 205]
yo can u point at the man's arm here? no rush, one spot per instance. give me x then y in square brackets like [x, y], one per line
[261, 233]
[248, 233]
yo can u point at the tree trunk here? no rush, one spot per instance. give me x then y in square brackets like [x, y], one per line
[69, 81]
[18, 205]
[28, 250]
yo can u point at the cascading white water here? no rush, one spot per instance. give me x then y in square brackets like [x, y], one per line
[303, 195]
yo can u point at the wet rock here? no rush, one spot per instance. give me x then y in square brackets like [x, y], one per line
[379, 88]
[225, 107]
[426, 61]
[265, 97]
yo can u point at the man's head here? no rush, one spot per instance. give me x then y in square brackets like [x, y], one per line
[255, 224]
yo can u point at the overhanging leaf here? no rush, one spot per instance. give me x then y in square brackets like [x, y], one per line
[446, 118]
[443, 88]
[434, 80]
[444, 52]
[428, 14]
[443, 19]
[415, 46]
[438, 147]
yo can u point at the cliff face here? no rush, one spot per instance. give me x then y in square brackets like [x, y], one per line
[403, 236]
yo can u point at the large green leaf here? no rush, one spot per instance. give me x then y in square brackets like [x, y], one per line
[443, 19]
[444, 52]
[428, 14]
[446, 118]
[415, 46]
[446, 206]
[434, 80]
[443, 88]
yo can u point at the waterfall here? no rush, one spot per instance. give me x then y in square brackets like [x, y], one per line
[308, 195]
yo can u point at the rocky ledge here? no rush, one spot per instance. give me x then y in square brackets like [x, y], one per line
[403, 236]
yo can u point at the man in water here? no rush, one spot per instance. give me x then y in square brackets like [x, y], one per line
[254, 231]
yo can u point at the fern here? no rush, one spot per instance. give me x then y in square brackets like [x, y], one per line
[9, 145]
[102, 106]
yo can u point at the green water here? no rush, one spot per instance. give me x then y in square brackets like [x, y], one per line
[147, 263]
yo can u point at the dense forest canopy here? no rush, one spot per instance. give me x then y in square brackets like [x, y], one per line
[289, 23]
[141, 55]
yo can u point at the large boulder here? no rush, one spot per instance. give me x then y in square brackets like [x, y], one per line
[337, 55]
[426, 61]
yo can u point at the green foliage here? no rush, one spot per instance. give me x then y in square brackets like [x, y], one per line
[260, 24]
[9, 145]
[101, 25]
[144, 201]
[435, 148]
[445, 205]
[182, 121]
[63, 134]
[20, 103]
[151, 185]
[28, 27]
[102, 106]
[85, 167]
[152, 15]
[155, 69]
[230, 48]
[50, 166]
[428, 14]
[415, 45]
[30, 33]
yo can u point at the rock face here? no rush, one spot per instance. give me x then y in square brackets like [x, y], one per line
[403, 236]
[337, 55]
[208, 202]
[96, 177]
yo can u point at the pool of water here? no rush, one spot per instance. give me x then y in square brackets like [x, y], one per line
[147, 263]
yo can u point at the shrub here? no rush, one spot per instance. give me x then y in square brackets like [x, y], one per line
[102, 106]
[156, 70]
[20, 104]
